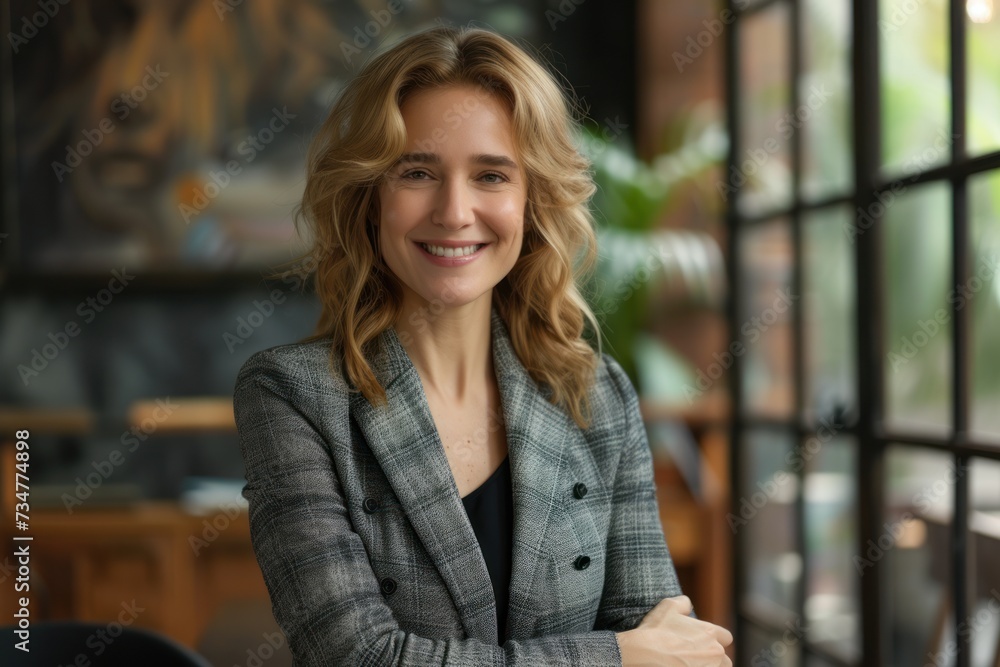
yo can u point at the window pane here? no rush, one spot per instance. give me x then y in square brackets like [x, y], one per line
[983, 622]
[916, 132]
[824, 89]
[765, 128]
[982, 293]
[830, 493]
[983, 59]
[766, 525]
[914, 548]
[829, 305]
[918, 328]
[766, 324]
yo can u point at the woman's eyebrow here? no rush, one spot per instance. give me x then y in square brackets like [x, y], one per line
[494, 160]
[433, 158]
[419, 158]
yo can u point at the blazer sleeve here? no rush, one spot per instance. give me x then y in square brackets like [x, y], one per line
[324, 594]
[639, 569]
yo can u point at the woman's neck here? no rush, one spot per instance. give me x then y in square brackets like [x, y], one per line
[450, 347]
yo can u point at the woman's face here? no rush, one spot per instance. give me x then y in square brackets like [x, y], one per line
[459, 187]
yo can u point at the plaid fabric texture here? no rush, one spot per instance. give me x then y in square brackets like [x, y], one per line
[364, 543]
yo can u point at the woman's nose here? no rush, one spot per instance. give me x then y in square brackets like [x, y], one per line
[454, 205]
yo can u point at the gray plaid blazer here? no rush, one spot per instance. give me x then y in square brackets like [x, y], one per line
[367, 552]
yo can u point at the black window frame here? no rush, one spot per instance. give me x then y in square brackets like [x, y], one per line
[871, 436]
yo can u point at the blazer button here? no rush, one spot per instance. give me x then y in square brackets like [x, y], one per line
[579, 489]
[370, 505]
[388, 586]
[581, 562]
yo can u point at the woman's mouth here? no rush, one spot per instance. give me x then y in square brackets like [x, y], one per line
[441, 251]
[448, 256]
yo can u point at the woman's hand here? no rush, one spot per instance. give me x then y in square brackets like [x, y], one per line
[668, 637]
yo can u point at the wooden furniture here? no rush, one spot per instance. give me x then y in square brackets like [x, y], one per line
[177, 567]
[697, 533]
[984, 577]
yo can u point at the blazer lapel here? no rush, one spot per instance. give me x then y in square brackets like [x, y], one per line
[405, 441]
[537, 435]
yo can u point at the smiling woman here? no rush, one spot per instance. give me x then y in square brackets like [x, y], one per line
[460, 206]
[448, 473]
[408, 119]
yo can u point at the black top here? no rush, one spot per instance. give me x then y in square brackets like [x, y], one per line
[491, 512]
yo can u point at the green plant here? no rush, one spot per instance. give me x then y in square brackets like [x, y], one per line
[635, 254]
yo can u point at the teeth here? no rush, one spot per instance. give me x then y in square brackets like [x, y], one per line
[450, 252]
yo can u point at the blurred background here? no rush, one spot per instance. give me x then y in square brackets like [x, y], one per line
[798, 219]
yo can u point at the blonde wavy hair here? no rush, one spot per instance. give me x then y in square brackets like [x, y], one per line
[540, 299]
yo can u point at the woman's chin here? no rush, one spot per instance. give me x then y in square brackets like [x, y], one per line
[444, 298]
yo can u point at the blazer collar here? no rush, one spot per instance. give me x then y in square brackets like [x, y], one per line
[404, 440]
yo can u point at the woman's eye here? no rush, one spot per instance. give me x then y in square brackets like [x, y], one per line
[416, 174]
[494, 178]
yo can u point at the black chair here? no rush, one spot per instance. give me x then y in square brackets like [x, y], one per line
[102, 645]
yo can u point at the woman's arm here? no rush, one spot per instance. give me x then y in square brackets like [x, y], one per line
[323, 591]
[642, 599]
[639, 570]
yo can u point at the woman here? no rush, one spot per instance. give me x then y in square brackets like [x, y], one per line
[447, 473]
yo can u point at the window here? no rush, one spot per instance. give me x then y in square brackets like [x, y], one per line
[863, 183]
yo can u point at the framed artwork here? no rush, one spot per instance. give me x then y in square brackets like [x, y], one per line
[170, 137]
